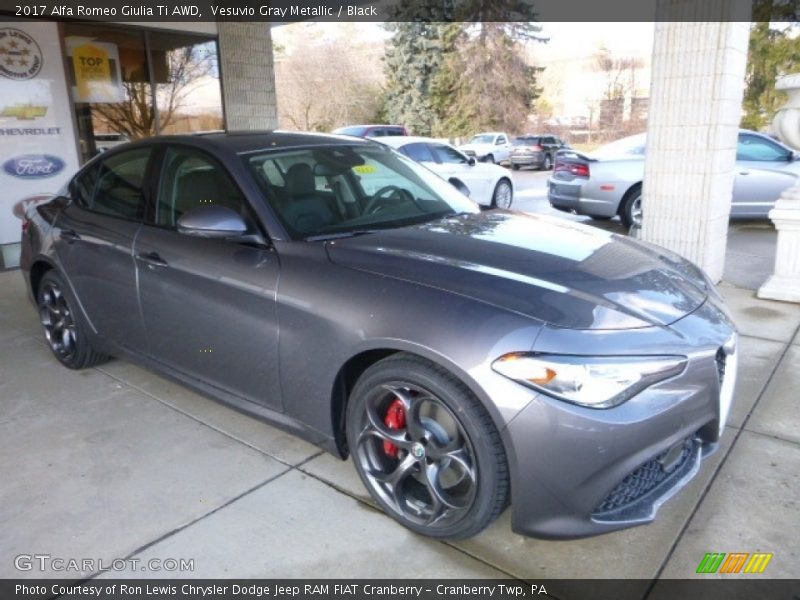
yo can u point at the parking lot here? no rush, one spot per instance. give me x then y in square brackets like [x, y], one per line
[116, 462]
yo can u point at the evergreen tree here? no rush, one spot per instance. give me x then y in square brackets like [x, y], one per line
[413, 59]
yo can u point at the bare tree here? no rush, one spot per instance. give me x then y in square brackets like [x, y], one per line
[135, 116]
[328, 84]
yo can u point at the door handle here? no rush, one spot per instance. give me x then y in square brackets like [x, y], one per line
[152, 259]
[69, 236]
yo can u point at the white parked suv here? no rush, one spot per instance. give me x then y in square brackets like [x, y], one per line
[493, 147]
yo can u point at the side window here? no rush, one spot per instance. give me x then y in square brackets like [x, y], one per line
[448, 154]
[82, 188]
[751, 147]
[190, 179]
[118, 185]
[501, 140]
[419, 152]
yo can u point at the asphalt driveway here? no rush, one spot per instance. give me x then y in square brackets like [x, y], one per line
[116, 462]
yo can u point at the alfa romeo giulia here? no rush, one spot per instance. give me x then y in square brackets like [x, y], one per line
[463, 359]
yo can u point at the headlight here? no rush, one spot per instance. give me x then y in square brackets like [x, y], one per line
[596, 382]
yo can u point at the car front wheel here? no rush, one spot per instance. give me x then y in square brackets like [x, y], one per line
[426, 449]
[63, 328]
[548, 163]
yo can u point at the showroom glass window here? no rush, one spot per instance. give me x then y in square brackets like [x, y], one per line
[130, 83]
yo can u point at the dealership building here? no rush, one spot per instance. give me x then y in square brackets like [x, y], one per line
[69, 90]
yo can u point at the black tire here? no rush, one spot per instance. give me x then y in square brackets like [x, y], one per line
[548, 162]
[64, 329]
[490, 159]
[503, 195]
[515, 166]
[448, 476]
[630, 210]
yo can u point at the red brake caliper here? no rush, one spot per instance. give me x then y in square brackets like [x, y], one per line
[395, 419]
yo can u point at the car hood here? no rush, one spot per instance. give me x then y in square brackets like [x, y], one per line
[477, 147]
[561, 273]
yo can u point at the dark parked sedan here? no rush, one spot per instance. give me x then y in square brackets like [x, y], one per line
[336, 288]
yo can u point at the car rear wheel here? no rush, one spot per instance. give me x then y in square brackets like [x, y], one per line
[631, 210]
[63, 329]
[515, 166]
[548, 162]
[503, 195]
[426, 449]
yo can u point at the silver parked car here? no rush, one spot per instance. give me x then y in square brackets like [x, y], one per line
[608, 182]
[464, 359]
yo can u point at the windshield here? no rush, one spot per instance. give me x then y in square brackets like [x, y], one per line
[483, 138]
[633, 145]
[351, 189]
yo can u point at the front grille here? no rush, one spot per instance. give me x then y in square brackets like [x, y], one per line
[647, 478]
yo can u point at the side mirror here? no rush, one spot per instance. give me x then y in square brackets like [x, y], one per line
[470, 162]
[218, 222]
[460, 185]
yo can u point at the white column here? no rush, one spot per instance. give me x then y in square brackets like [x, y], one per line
[784, 284]
[248, 75]
[695, 108]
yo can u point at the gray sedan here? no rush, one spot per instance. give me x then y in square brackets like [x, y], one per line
[464, 359]
[608, 182]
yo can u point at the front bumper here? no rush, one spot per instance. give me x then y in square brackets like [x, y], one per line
[579, 472]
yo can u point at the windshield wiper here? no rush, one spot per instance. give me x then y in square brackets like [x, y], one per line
[338, 234]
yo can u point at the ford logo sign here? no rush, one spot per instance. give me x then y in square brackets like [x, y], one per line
[33, 166]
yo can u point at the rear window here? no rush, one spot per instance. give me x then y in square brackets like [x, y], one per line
[527, 141]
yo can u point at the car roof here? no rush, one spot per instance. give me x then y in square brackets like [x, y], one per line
[395, 141]
[242, 142]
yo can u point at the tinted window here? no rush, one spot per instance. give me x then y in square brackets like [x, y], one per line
[83, 187]
[448, 154]
[501, 140]
[752, 147]
[355, 130]
[419, 152]
[191, 179]
[118, 188]
[395, 131]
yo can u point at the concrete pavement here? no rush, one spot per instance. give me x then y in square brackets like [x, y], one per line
[116, 462]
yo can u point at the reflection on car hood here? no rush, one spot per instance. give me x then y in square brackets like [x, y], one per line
[559, 272]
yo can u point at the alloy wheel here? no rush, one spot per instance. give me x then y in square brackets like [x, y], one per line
[503, 195]
[57, 321]
[636, 211]
[416, 456]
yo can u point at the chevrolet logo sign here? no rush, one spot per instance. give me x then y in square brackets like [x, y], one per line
[24, 112]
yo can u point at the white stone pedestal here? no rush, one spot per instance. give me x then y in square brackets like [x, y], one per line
[784, 284]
